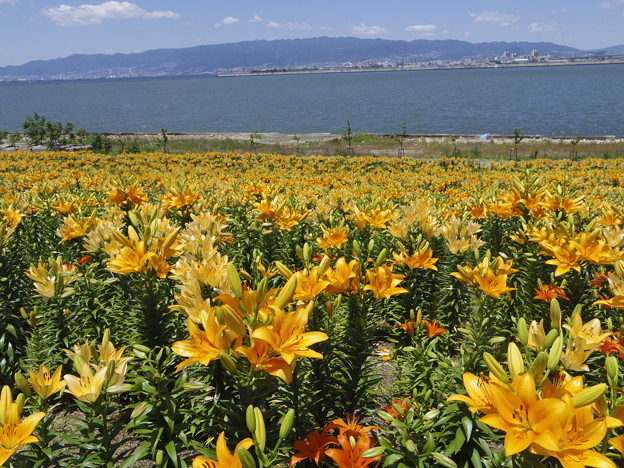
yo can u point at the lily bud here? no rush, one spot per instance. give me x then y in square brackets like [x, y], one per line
[260, 432]
[250, 417]
[515, 361]
[228, 362]
[523, 331]
[555, 314]
[235, 281]
[22, 384]
[381, 258]
[540, 363]
[245, 457]
[550, 338]
[324, 265]
[612, 367]
[287, 424]
[283, 270]
[589, 395]
[495, 368]
[286, 294]
[554, 355]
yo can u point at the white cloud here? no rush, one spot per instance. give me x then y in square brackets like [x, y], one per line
[542, 27]
[611, 3]
[291, 26]
[81, 15]
[495, 17]
[255, 19]
[364, 30]
[227, 21]
[424, 29]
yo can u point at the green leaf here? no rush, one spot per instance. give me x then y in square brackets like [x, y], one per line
[392, 459]
[138, 454]
[171, 451]
[476, 459]
[467, 423]
[444, 460]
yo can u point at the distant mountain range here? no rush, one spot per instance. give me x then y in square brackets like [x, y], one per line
[262, 54]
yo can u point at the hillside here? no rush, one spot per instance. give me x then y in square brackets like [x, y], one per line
[319, 51]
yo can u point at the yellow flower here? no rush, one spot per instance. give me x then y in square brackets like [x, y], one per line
[525, 419]
[420, 259]
[576, 436]
[88, 387]
[309, 285]
[13, 432]
[566, 259]
[225, 459]
[383, 282]
[537, 335]
[262, 357]
[493, 284]
[479, 394]
[205, 345]
[132, 257]
[344, 278]
[590, 332]
[286, 334]
[333, 238]
[44, 384]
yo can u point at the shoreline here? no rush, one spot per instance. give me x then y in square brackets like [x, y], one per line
[325, 137]
[567, 63]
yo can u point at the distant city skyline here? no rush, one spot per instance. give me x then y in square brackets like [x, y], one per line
[37, 30]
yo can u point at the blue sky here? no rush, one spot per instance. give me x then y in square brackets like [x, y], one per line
[31, 29]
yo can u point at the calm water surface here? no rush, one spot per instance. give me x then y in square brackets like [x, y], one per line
[571, 100]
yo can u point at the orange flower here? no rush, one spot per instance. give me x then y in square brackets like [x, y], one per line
[433, 329]
[547, 292]
[312, 447]
[405, 404]
[350, 455]
[350, 427]
[409, 326]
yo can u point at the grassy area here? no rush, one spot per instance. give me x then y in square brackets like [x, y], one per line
[384, 145]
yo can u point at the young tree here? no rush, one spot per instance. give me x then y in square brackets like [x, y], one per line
[35, 128]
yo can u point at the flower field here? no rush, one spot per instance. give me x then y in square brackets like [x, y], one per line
[240, 310]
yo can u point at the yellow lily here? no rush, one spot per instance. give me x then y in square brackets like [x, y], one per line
[225, 459]
[383, 282]
[493, 284]
[525, 419]
[537, 335]
[309, 285]
[286, 334]
[566, 259]
[590, 332]
[44, 384]
[577, 434]
[205, 345]
[88, 387]
[13, 432]
[479, 394]
[333, 238]
[344, 278]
